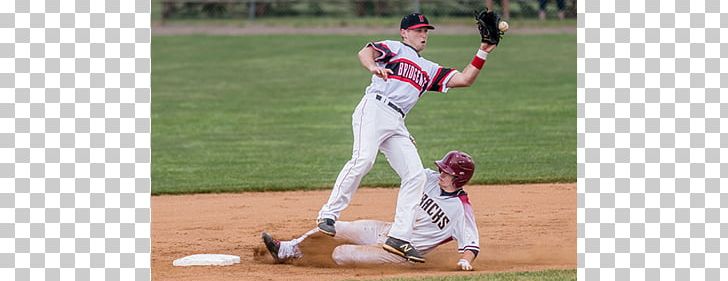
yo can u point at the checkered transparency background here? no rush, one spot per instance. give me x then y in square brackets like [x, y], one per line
[74, 140]
[652, 140]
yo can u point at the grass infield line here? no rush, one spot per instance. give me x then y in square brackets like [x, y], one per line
[545, 275]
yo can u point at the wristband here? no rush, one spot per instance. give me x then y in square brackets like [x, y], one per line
[479, 59]
[481, 54]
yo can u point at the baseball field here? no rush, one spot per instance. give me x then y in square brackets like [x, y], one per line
[263, 122]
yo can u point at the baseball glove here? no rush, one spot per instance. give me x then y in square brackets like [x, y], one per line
[488, 26]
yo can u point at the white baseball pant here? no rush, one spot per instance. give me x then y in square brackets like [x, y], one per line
[364, 238]
[367, 237]
[376, 126]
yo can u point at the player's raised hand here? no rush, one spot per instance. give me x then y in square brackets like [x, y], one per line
[487, 47]
[464, 264]
[381, 72]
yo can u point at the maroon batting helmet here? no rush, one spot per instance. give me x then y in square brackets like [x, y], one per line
[458, 164]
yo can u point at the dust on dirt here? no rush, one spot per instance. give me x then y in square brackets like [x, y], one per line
[522, 228]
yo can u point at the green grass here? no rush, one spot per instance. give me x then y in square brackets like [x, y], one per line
[546, 275]
[256, 113]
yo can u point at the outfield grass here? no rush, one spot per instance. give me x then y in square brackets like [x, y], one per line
[274, 112]
[546, 275]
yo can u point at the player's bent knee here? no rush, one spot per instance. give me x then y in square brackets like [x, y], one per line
[418, 178]
[342, 255]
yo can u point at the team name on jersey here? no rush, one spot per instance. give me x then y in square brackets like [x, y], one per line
[437, 216]
[407, 71]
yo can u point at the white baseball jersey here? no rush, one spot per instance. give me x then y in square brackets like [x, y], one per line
[443, 217]
[412, 74]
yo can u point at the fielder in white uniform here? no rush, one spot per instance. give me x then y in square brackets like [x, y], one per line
[400, 77]
[443, 213]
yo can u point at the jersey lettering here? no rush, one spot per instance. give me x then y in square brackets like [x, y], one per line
[431, 208]
[427, 203]
[424, 197]
[437, 216]
[407, 71]
[443, 222]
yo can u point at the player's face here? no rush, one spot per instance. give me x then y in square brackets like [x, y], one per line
[445, 180]
[416, 38]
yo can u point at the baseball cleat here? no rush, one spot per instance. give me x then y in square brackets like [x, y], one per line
[273, 246]
[326, 226]
[404, 249]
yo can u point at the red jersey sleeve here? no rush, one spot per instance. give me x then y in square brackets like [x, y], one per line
[440, 79]
[386, 52]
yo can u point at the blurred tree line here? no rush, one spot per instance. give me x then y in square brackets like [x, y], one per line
[251, 9]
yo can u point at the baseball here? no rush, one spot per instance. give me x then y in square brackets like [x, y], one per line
[503, 26]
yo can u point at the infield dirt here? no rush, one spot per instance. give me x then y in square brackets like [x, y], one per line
[522, 228]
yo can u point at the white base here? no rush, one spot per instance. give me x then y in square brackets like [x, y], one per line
[207, 259]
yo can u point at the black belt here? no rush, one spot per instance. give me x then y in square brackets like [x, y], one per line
[393, 106]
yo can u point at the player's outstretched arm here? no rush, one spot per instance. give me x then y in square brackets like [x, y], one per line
[471, 71]
[366, 57]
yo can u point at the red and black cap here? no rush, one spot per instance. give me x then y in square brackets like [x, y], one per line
[415, 20]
